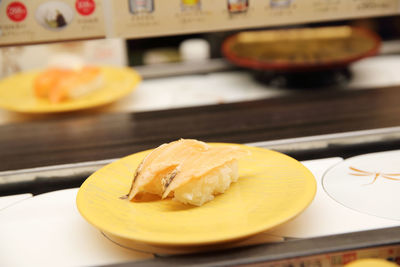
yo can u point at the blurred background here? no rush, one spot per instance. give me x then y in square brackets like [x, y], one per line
[179, 59]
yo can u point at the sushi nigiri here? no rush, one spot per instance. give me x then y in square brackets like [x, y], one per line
[191, 171]
[59, 84]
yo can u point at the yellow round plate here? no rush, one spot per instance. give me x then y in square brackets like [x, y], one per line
[272, 189]
[370, 262]
[16, 92]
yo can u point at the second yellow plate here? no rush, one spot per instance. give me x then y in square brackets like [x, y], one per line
[16, 92]
[272, 189]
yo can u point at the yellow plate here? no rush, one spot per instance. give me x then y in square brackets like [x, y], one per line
[370, 262]
[16, 92]
[272, 189]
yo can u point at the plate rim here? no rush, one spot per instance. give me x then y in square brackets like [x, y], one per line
[209, 241]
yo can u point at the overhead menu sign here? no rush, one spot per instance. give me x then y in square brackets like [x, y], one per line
[37, 21]
[32, 21]
[144, 18]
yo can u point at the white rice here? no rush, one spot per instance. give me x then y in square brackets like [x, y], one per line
[201, 190]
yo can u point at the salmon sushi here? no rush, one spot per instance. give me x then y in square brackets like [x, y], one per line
[188, 170]
[58, 84]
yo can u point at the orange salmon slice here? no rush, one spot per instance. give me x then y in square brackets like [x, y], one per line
[174, 164]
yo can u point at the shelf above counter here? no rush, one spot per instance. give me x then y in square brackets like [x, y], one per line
[28, 22]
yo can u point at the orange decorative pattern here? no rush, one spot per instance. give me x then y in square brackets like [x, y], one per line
[358, 172]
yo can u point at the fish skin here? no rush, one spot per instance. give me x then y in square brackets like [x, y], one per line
[166, 181]
[134, 179]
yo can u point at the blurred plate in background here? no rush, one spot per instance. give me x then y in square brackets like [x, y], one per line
[17, 94]
[300, 49]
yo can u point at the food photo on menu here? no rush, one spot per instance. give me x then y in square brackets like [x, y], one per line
[54, 15]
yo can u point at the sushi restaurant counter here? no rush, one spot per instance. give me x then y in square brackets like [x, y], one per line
[220, 87]
[267, 122]
[28, 224]
[68, 138]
